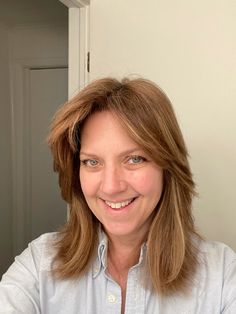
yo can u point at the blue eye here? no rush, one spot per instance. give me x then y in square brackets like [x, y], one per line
[136, 160]
[90, 162]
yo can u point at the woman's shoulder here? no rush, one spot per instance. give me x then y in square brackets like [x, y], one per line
[44, 248]
[19, 287]
[45, 242]
[214, 249]
[216, 259]
[38, 255]
[45, 239]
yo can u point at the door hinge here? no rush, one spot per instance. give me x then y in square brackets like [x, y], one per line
[88, 62]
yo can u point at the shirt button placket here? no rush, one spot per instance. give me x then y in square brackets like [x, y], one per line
[135, 299]
[113, 298]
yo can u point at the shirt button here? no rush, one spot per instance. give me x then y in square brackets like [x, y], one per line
[111, 298]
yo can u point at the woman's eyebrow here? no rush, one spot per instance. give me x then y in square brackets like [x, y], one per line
[130, 151]
[125, 152]
[87, 154]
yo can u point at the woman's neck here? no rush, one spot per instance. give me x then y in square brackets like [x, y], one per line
[123, 253]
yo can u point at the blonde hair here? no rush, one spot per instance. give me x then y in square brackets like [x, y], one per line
[147, 114]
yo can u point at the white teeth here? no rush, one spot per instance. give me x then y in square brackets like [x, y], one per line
[119, 204]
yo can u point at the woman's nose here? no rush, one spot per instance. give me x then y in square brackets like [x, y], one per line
[113, 181]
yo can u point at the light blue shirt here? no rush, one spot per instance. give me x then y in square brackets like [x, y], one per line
[28, 286]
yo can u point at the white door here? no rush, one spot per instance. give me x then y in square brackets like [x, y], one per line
[48, 90]
[39, 80]
[188, 47]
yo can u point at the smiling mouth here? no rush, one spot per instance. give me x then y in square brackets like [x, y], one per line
[119, 205]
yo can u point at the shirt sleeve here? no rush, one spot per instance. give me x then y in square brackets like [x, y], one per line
[229, 287]
[19, 288]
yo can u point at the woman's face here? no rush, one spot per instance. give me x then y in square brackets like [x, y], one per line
[121, 184]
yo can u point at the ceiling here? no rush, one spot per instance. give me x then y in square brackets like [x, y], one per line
[21, 12]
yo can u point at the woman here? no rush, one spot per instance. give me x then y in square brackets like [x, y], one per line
[130, 245]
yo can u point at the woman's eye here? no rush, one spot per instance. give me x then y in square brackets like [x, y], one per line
[90, 162]
[136, 160]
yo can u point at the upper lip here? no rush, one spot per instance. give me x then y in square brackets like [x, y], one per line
[119, 201]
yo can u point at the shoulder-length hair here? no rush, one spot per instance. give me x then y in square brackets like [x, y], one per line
[147, 115]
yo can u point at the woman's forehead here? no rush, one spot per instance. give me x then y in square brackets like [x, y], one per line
[103, 131]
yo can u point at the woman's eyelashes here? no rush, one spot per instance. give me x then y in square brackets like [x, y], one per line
[136, 160]
[129, 160]
[89, 162]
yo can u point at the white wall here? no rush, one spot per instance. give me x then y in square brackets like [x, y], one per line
[188, 47]
[5, 148]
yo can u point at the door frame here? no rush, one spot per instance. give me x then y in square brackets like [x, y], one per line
[78, 44]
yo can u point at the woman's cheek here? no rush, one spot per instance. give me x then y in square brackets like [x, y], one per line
[148, 181]
[88, 183]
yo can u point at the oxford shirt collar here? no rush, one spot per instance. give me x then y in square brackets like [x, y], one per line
[101, 261]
